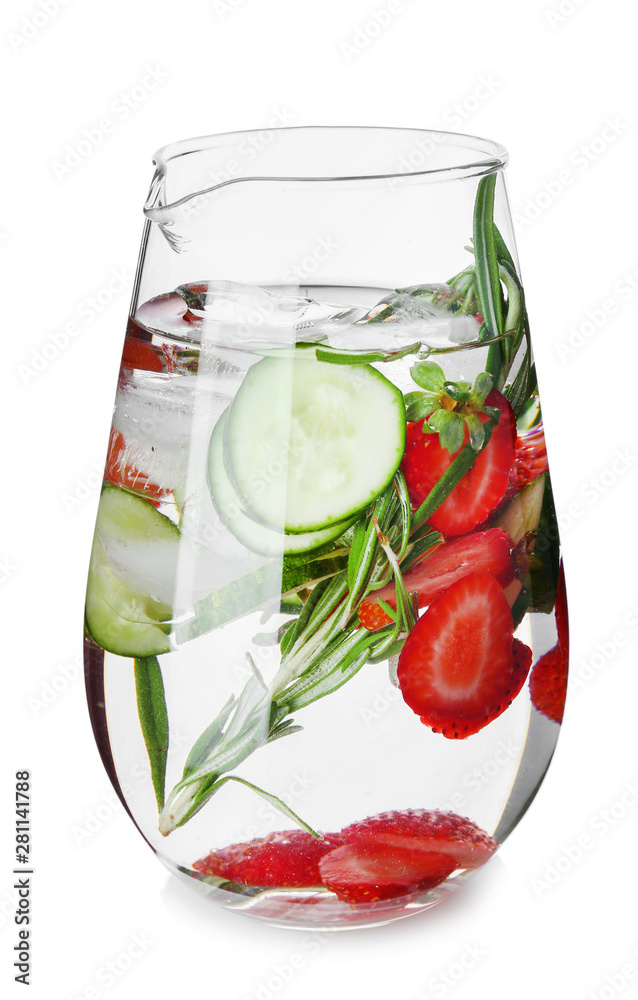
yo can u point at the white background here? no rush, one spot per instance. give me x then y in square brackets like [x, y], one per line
[559, 72]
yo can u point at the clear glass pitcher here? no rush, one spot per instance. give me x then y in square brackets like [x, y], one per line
[326, 628]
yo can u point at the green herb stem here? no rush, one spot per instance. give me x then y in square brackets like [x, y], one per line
[153, 716]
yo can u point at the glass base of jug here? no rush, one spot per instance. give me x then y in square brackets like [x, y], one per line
[314, 909]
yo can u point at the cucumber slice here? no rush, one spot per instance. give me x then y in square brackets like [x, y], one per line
[253, 535]
[131, 575]
[522, 514]
[309, 444]
[120, 620]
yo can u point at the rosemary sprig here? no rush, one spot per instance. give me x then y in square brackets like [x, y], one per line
[406, 614]
[151, 709]
[486, 263]
[321, 650]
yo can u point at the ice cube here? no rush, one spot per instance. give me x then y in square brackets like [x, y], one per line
[152, 421]
[234, 313]
[402, 318]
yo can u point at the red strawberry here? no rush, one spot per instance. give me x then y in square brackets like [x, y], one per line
[457, 662]
[426, 830]
[457, 729]
[480, 490]
[360, 873]
[289, 859]
[530, 458]
[121, 471]
[562, 616]
[141, 354]
[382, 857]
[548, 684]
[483, 552]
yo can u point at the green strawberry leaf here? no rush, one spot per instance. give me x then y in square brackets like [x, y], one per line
[482, 387]
[453, 433]
[439, 420]
[418, 405]
[429, 376]
[477, 431]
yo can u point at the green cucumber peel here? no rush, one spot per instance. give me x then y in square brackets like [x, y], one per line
[340, 356]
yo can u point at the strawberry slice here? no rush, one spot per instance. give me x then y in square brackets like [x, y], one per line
[562, 616]
[426, 830]
[483, 552]
[387, 856]
[457, 729]
[122, 471]
[457, 662]
[548, 684]
[288, 859]
[481, 488]
[360, 873]
[141, 355]
[530, 458]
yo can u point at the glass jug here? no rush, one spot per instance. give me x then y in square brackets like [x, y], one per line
[326, 628]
